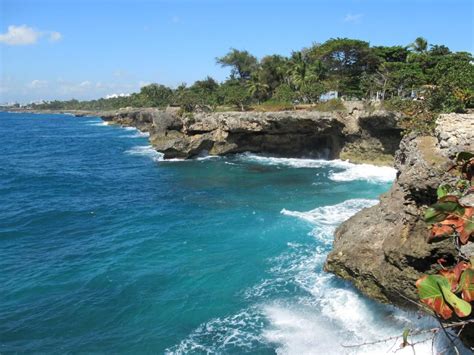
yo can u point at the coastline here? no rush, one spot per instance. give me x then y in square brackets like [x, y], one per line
[416, 155]
[355, 134]
[433, 153]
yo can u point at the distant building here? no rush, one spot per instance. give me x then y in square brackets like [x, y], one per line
[329, 96]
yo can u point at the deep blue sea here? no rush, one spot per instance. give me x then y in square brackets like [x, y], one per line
[106, 248]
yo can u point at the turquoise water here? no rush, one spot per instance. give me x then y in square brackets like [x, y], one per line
[104, 247]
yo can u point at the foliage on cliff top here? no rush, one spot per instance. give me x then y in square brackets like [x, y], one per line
[452, 217]
[441, 79]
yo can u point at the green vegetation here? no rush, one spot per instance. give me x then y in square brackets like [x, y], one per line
[419, 79]
[452, 216]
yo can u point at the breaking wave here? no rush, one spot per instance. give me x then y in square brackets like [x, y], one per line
[97, 123]
[146, 151]
[340, 170]
[300, 309]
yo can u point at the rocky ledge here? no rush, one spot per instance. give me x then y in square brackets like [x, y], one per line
[357, 134]
[383, 249]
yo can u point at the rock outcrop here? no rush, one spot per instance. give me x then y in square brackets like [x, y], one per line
[383, 249]
[355, 134]
[141, 119]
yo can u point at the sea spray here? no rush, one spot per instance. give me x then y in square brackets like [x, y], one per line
[192, 256]
[146, 151]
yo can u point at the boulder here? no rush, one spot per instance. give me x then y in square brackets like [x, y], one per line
[383, 249]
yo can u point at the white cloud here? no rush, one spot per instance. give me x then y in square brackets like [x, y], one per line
[24, 35]
[85, 84]
[37, 84]
[353, 18]
[119, 73]
[16, 90]
[55, 36]
[20, 35]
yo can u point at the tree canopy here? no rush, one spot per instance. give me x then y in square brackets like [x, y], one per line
[442, 79]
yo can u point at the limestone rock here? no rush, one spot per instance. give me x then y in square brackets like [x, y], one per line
[357, 134]
[383, 249]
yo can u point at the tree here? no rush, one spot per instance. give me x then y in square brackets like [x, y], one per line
[345, 60]
[454, 80]
[205, 91]
[306, 76]
[257, 88]
[234, 93]
[155, 95]
[285, 93]
[420, 45]
[439, 50]
[242, 63]
[391, 53]
[298, 70]
[273, 69]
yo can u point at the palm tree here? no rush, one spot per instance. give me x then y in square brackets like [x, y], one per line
[304, 74]
[420, 45]
[297, 71]
[256, 87]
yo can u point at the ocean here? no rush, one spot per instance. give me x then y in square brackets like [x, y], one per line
[106, 248]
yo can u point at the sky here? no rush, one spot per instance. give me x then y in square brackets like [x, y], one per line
[85, 49]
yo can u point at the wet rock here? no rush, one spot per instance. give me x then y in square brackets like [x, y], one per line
[383, 249]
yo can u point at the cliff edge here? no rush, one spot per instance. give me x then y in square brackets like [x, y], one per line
[356, 133]
[383, 249]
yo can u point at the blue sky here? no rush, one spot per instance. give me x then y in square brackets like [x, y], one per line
[89, 49]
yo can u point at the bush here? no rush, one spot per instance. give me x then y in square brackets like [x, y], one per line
[284, 94]
[272, 106]
[329, 106]
[417, 115]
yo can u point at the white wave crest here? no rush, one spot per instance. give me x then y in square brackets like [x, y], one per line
[140, 134]
[332, 215]
[238, 331]
[147, 151]
[95, 123]
[300, 309]
[302, 329]
[333, 314]
[347, 171]
[371, 173]
[137, 135]
[290, 162]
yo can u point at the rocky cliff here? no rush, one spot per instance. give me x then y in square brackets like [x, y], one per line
[356, 134]
[383, 249]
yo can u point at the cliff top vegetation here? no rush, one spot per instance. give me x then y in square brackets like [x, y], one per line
[418, 79]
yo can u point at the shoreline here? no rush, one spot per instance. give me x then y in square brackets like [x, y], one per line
[291, 134]
[380, 249]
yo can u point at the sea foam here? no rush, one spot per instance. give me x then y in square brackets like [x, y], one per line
[332, 215]
[96, 123]
[146, 151]
[345, 171]
[300, 309]
[371, 173]
[333, 314]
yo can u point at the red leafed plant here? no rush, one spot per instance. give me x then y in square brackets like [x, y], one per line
[452, 290]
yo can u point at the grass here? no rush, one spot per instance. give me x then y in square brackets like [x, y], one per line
[275, 106]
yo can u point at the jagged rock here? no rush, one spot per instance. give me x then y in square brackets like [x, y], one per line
[357, 134]
[141, 119]
[383, 249]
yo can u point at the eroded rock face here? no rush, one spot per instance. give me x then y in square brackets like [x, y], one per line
[141, 119]
[383, 249]
[357, 135]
